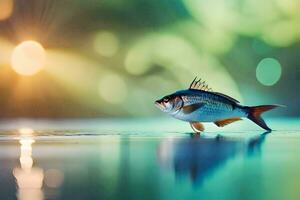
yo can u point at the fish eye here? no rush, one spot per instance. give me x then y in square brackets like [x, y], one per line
[166, 99]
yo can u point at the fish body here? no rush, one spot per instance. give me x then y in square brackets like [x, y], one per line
[211, 107]
[199, 104]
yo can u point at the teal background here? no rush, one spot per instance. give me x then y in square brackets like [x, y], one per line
[115, 58]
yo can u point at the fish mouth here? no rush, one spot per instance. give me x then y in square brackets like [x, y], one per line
[159, 105]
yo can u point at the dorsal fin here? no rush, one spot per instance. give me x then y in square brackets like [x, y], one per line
[226, 96]
[199, 85]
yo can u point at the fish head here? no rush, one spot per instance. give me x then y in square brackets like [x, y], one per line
[169, 103]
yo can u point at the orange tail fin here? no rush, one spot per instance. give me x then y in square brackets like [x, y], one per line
[255, 114]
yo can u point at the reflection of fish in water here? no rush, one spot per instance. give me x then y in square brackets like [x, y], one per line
[199, 157]
[199, 104]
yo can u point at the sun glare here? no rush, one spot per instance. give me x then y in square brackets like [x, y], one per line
[28, 58]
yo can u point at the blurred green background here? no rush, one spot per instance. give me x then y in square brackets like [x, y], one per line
[107, 58]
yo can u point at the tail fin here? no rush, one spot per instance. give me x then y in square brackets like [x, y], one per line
[255, 114]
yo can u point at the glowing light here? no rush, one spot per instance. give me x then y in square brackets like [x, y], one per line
[28, 58]
[289, 7]
[268, 71]
[138, 61]
[225, 14]
[174, 53]
[281, 34]
[25, 131]
[53, 178]
[112, 89]
[26, 152]
[6, 8]
[106, 44]
[213, 38]
[29, 179]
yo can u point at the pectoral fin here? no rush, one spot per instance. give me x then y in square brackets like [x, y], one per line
[197, 126]
[191, 108]
[225, 122]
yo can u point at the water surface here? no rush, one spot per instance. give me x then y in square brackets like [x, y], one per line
[147, 159]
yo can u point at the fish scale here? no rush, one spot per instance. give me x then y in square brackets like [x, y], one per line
[211, 103]
[212, 110]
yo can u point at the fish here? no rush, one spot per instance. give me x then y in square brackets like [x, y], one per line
[199, 103]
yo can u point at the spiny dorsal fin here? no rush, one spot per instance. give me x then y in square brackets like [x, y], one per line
[225, 122]
[199, 85]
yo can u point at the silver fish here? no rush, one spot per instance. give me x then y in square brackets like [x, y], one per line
[199, 104]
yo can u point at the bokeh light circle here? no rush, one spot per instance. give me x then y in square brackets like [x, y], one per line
[26, 131]
[268, 71]
[6, 9]
[106, 44]
[28, 58]
[112, 88]
[54, 178]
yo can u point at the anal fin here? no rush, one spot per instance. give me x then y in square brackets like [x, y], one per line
[225, 122]
[197, 126]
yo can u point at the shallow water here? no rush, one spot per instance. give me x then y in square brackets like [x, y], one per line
[147, 159]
